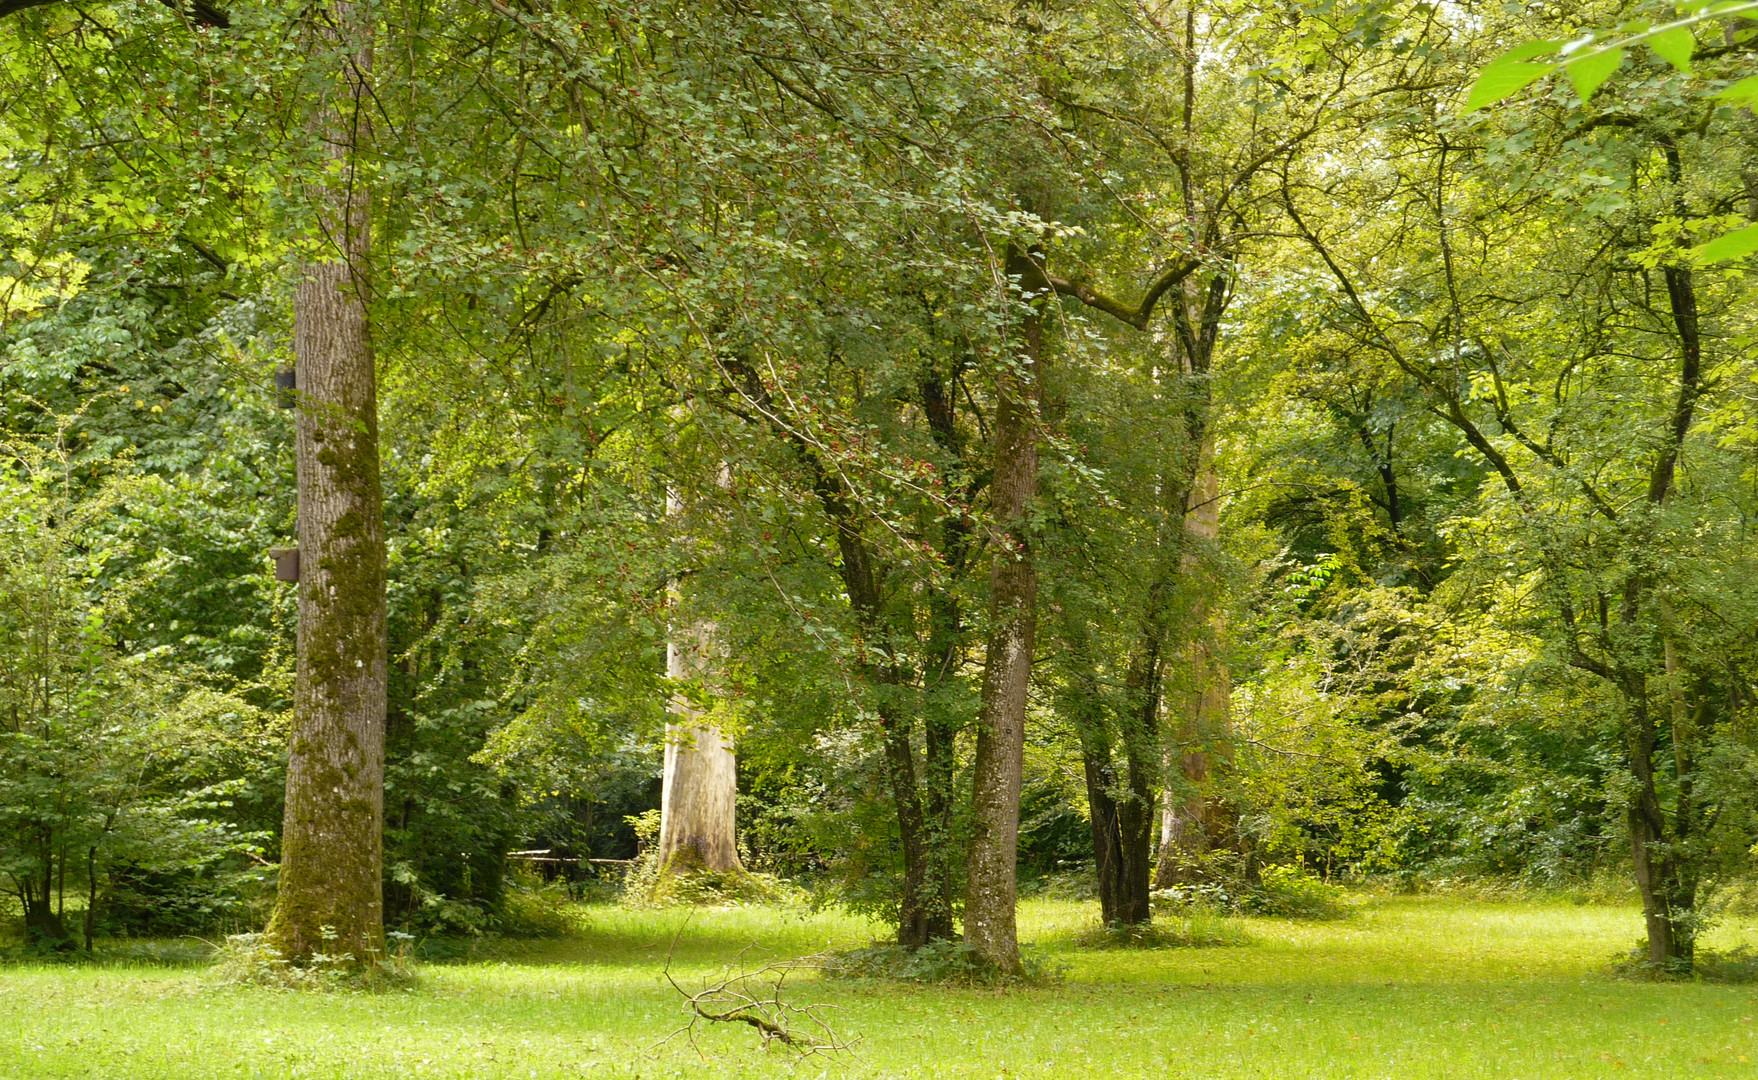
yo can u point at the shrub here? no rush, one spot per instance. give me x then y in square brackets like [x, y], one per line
[1287, 892]
[939, 963]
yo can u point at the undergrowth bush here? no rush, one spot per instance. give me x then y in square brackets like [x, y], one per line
[648, 885]
[1737, 966]
[937, 963]
[1076, 884]
[1609, 886]
[532, 907]
[1286, 892]
[249, 960]
[1195, 926]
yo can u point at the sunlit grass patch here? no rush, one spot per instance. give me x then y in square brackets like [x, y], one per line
[1408, 988]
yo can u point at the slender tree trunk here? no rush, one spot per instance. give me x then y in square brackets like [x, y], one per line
[42, 926]
[91, 895]
[1101, 777]
[1135, 812]
[861, 578]
[1666, 870]
[913, 909]
[992, 886]
[1084, 704]
[330, 895]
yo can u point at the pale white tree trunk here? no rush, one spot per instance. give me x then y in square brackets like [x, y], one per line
[699, 795]
[700, 785]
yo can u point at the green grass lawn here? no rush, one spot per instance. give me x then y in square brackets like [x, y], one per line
[1406, 988]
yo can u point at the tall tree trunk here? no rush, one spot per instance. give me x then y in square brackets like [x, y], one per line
[992, 887]
[1666, 869]
[1191, 819]
[43, 927]
[330, 896]
[91, 895]
[1083, 702]
[1135, 811]
[861, 580]
[861, 576]
[914, 905]
[698, 801]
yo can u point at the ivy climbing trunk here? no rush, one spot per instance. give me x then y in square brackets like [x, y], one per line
[992, 887]
[330, 897]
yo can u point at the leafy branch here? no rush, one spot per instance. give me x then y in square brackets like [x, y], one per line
[1592, 58]
[1589, 63]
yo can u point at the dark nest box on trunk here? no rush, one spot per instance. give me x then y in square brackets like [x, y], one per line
[286, 563]
[285, 383]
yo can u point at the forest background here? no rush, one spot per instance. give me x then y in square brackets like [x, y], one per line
[1171, 443]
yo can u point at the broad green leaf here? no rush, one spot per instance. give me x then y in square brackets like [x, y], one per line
[1509, 73]
[1674, 46]
[1531, 50]
[1730, 246]
[1744, 92]
[1590, 72]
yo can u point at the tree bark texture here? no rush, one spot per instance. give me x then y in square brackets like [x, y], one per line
[992, 888]
[330, 896]
[699, 791]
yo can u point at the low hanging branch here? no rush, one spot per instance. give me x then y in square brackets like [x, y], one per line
[754, 997]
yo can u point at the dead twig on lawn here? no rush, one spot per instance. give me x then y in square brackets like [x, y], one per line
[754, 996]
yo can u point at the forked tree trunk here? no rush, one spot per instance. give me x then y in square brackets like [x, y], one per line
[992, 888]
[330, 896]
[698, 801]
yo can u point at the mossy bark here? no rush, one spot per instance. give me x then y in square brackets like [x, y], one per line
[330, 897]
[992, 887]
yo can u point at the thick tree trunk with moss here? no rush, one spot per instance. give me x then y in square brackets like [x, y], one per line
[700, 786]
[330, 896]
[992, 887]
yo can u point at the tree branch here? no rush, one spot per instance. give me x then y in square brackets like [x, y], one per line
[196, 11]
[1136, 316]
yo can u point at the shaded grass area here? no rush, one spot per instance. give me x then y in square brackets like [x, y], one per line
[1406, 988]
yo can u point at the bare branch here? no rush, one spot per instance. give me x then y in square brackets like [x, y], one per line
[754, 997]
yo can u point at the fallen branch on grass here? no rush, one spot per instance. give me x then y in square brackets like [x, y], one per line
[754, 997]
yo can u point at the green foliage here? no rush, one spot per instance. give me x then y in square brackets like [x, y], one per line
[116, 766]
[939, 963]
[1276, 891]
